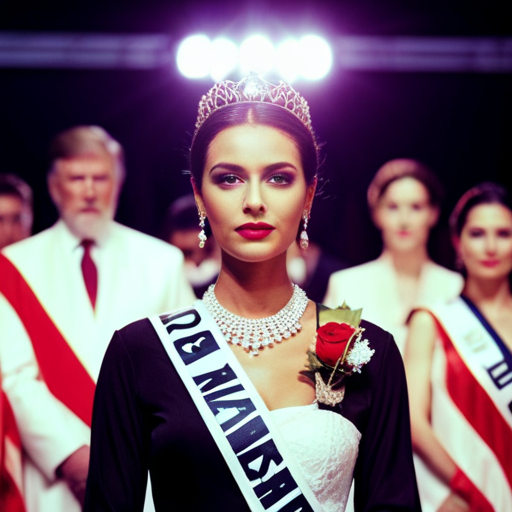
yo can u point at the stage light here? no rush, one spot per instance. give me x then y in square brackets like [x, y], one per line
[194, 56]
[256, 54]
[308, 58]
[288, 60]
[316, 57]
[224, 58]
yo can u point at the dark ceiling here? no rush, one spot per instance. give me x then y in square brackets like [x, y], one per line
[368, 17]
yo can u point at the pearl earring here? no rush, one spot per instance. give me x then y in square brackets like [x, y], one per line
[202, 235]
[304, 239]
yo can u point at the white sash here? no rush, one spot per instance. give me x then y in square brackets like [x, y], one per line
[480, 353]
[234, 413]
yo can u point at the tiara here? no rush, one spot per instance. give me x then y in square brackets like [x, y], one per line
[253, 89]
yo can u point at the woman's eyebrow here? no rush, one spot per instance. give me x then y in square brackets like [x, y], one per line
[280, 165]
[238, 168]
[227, 166]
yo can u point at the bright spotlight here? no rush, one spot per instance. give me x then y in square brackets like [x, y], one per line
[316, 57]
[224, 58]
[193, 57]
[288, 60]
[256, 54]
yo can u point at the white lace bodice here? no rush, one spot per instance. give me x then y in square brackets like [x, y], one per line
[325, 445]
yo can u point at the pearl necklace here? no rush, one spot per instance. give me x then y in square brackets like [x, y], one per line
[255, 334]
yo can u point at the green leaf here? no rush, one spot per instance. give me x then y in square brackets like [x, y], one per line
[313, 361]
[341, 314]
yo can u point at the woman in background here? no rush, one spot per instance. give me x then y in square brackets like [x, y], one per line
[404, 200]
[459, 366]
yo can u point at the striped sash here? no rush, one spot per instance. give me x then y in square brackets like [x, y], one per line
[57, 362]
[234, 413]
[475, 376]
[11, 498]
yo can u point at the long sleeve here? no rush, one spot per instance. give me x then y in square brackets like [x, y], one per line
[376, 402]
[119, 457]
[50, 432]
[144, 419]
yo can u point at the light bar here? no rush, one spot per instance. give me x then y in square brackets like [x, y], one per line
[399, 54]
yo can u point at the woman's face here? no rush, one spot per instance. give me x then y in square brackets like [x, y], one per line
[485, 243]
[254, 191]
[404, 215]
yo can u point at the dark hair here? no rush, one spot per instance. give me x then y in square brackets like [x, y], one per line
[404, 168]
[255, 113]
[181, 215]
[484, 193]
[85, 140]
[12, 185]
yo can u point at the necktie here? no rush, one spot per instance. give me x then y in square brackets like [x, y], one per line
[89, 271]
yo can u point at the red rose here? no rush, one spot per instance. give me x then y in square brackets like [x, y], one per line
[332, 339]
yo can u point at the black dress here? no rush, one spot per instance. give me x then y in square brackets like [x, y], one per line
[144, 418]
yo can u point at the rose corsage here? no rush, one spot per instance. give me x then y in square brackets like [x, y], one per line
[337, 351]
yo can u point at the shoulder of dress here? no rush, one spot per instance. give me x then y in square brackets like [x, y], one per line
[383, 344]
[371, 329]
[136, 333]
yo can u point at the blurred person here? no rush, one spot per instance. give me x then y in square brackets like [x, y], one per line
[404, 199]
[15, 209]
[458, 360]
[63, 293]
[181, 229]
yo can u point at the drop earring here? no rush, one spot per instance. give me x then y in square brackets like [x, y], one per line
[202, 235]
[304, 239]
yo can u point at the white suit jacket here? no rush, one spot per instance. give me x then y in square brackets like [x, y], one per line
[373, 287]
[138, 276]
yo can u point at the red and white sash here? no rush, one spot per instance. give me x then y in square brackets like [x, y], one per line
[234, 413]
[11, 485]
[58, 364]
[472, 401]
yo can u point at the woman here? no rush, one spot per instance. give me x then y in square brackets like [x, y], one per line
[459, 362]
[404, 200]
[211, 424]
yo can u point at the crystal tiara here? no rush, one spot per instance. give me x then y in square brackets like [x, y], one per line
[253, 89]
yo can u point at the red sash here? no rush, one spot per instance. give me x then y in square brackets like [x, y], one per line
[476, 405]
[11, 499]
[60, 368]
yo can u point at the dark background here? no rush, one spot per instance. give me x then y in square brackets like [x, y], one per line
[458, 123]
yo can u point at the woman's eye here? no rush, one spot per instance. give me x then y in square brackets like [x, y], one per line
[476, 233]
[505, 233]
[228, 179]
[280, 179]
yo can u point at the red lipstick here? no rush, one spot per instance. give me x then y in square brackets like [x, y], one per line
[255, 230]
[490, 263]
